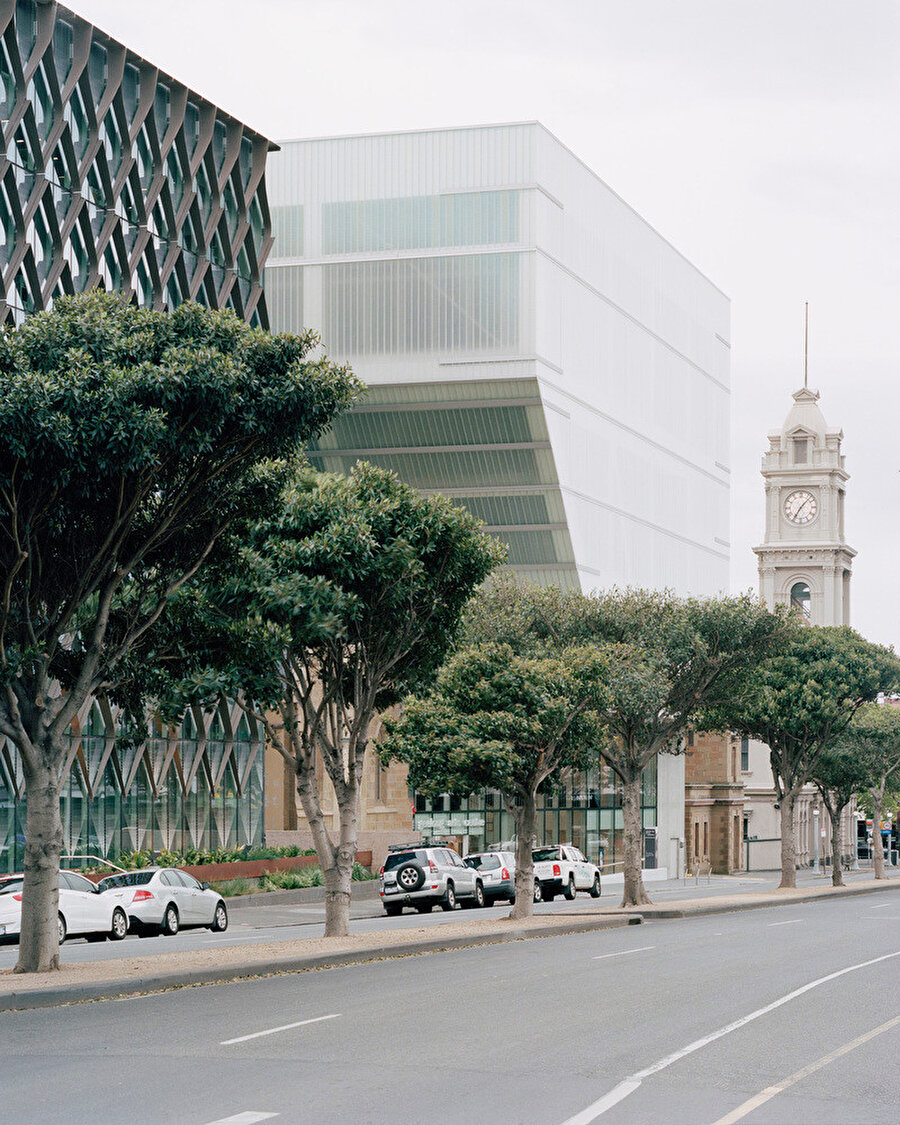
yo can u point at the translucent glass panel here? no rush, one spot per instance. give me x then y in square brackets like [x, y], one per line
[467, 303]
[486, 425]
[284, 297]
[287, 230]
[441, 438]
[441, 471]
[467, 219]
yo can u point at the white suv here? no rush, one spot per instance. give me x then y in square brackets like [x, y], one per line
[422, 877]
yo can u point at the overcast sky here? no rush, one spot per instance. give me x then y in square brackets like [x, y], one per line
[759, 136]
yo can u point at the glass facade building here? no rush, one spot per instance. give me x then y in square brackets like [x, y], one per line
[533, 349]
[196, 785]
[115, 176]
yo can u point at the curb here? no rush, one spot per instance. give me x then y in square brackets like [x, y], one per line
[187, 978]
[728, 908]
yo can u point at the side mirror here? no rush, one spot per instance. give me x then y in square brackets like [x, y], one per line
[204, 886]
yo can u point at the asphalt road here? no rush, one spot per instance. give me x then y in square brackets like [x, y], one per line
[786, 1015]
[251, 925]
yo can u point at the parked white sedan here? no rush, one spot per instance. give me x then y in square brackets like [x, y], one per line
[164, 900]
[83, 910]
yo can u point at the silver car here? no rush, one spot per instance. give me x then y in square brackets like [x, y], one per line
[165, 900]
[423, 876]
[498, 873]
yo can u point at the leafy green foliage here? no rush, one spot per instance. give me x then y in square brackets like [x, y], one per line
[802, 701]
[501, 721]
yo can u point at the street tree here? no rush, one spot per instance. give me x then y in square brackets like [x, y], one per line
[682, 654]
[838, 775]
[132, 440]
[331, 610]
[800, 702]
[498, 720]
[873, 740]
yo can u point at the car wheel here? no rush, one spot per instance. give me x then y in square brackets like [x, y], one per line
[393, 910]
[449, 900]
[479, 895]
[569, 892]
[595, 887]
[62, 929]
[410, 876]
[170, 921]
[119, 925]
[220, 919]
[538, 893]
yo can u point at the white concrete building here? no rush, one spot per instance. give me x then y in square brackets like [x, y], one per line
[533, 348]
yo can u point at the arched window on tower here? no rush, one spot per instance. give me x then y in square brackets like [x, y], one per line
[800, 600]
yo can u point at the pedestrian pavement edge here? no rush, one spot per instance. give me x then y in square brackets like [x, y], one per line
[793, 896]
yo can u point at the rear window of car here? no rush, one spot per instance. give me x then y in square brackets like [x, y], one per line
[10, 885]
[126, 879]
[396, 858]
[483, 862]
[540, 855]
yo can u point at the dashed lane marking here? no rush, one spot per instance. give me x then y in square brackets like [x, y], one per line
[622, 952]
[275, 1030]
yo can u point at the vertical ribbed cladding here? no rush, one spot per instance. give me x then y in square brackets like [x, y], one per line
[116, 176]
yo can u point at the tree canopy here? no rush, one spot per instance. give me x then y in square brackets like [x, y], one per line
[496, 720]
[800, 702]
[344, 599]
[132, 440]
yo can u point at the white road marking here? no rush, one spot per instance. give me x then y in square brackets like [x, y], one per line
[631, 1083]
[882, 906]
[790, 922]
[771, 1091]
[622, 952]
[273, 1030]
[247, 1118]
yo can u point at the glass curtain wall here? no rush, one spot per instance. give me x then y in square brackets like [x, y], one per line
[118, 797]
[584, 810]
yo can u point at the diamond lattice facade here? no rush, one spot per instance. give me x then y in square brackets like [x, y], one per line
[114, 175]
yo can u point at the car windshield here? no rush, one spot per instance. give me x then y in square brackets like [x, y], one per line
[539, 855]
[483, 862]
[396, 858]
[126, 879]
[10, 885]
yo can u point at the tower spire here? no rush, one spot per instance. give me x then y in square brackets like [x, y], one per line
[805, 345]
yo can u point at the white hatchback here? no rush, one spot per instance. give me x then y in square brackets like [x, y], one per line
[83, 910]
[164, 900]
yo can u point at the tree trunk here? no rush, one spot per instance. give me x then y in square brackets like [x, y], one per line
[39, 940]
[336, 861]
[836, 846]
[339, 877]
[788, 844]
[877, 845]
[524, 814]
[633, 892]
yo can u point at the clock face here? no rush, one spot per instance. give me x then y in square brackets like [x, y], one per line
[800, 507]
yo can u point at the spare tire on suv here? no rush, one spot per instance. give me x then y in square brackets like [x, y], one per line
[410, 876]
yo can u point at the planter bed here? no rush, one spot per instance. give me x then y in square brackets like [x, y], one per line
[248, 868]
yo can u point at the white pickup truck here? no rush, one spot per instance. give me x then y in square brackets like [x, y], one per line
[560, 869]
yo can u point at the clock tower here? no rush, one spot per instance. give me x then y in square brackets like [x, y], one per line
[804, 560]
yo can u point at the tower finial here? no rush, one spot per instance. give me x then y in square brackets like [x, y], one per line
[805, 346]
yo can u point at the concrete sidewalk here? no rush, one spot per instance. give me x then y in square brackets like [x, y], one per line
[100, 980]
